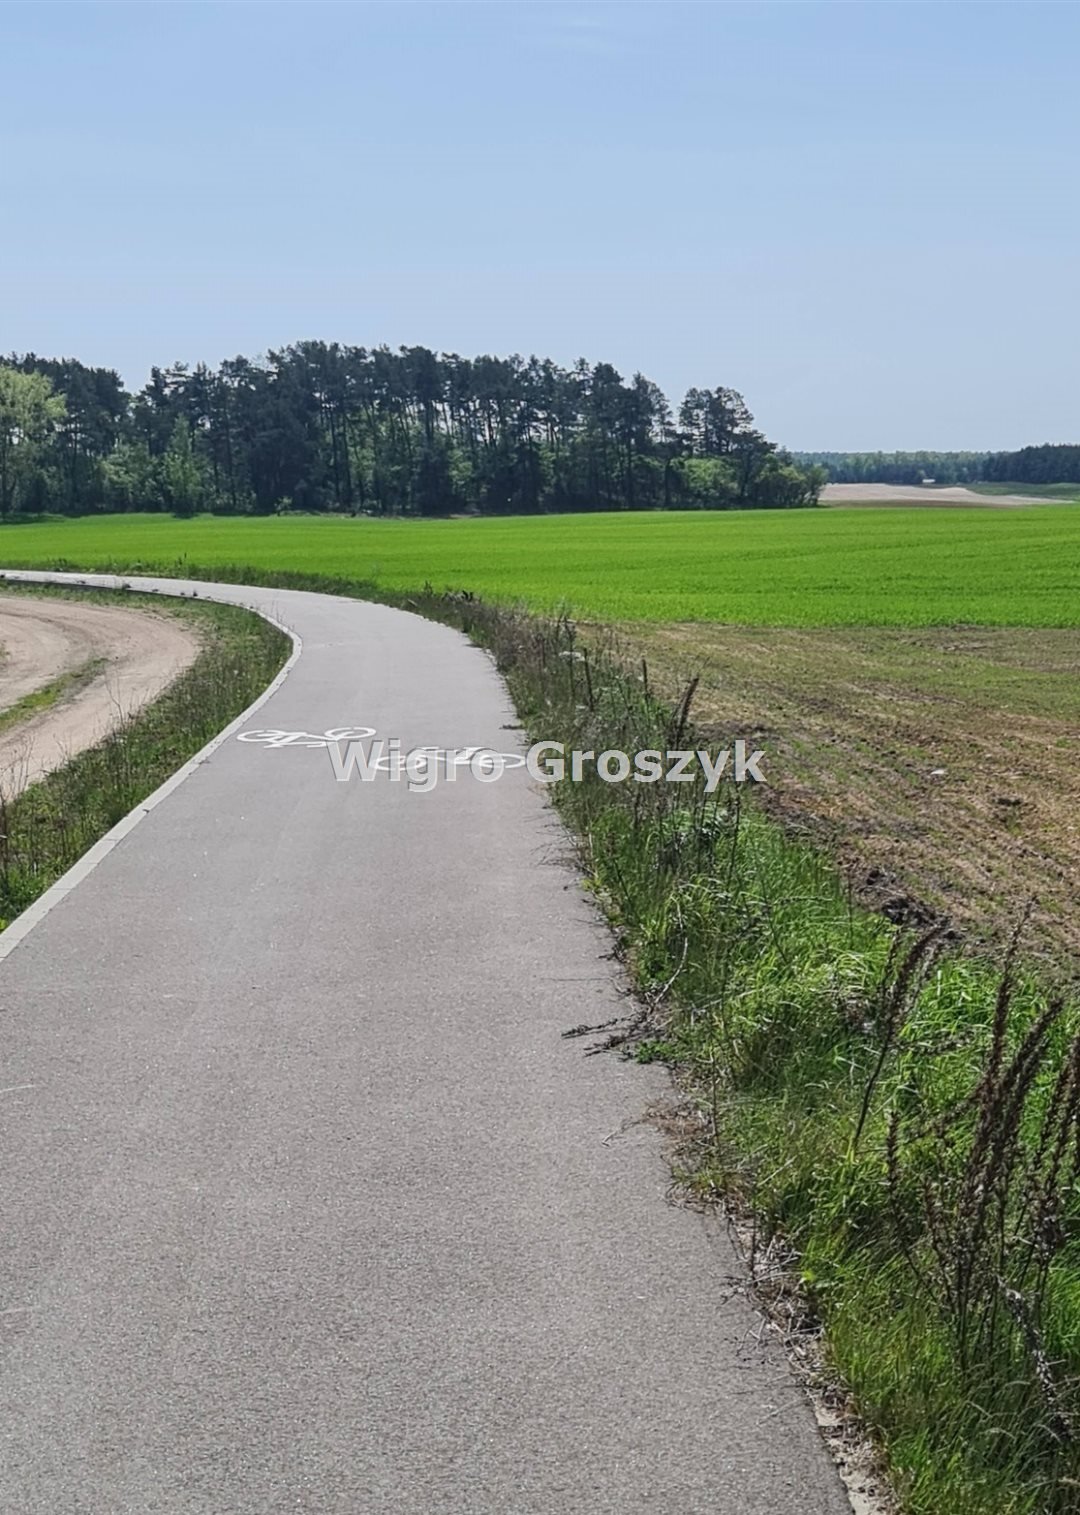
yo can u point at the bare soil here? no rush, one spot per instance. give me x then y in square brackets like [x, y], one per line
[915, 494]
[940, 765]
[129, 656]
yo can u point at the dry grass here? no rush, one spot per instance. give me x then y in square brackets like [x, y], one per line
[940, 764]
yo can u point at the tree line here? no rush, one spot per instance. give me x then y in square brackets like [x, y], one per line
[1052, 463]
[898, 467]
[325, 427]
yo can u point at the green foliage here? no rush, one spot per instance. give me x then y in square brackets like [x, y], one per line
[183, 487]
[30, 414]
[783, 568]
[324, 427]
[899, 467]
[321, 427]
[73, 476]
[1049, 464]
[708, 483]
[132, 480]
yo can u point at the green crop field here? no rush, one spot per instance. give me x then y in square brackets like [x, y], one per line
[806, 568]
[1037, 491]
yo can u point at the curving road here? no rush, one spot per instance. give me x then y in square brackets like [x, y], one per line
[307, 1206]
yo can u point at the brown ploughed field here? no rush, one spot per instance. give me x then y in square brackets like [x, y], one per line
[942, 766]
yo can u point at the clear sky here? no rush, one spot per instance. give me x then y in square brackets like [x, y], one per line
[863, 216]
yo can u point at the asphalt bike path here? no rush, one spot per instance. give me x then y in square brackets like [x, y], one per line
[307, 1204]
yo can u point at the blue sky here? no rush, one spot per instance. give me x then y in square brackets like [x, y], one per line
[864, 216]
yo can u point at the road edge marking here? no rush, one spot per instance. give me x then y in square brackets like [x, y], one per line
[25, 922]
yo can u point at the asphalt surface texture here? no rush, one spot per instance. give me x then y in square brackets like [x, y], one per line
[308, 1206]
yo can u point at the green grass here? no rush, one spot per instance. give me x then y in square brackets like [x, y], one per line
[799, 568]
[1037, 491]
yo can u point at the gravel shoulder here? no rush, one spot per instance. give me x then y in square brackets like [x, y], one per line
[135, 655]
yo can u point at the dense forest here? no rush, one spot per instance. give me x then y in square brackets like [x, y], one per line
[1053, 463]
[321, 427]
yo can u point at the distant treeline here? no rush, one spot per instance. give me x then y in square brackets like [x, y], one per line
[1053, 463]
[898, 467]
[1050, 464]
[322, 427]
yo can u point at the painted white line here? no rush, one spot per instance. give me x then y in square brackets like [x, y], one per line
[23, 924]
[16, 1088]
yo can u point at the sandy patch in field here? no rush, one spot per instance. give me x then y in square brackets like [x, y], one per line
[140, 653]
[912, 494]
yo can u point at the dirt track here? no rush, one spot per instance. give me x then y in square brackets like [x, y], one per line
[914, 494]
[118, 660]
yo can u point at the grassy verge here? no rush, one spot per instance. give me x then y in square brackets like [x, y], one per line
[902, 1118]
[51, 824]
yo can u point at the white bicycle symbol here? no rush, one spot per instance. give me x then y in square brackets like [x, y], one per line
[307, 738]
[416, 761]
[420, 758]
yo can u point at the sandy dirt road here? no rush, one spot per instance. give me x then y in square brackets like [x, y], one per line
[913, 494]
[127, 656]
